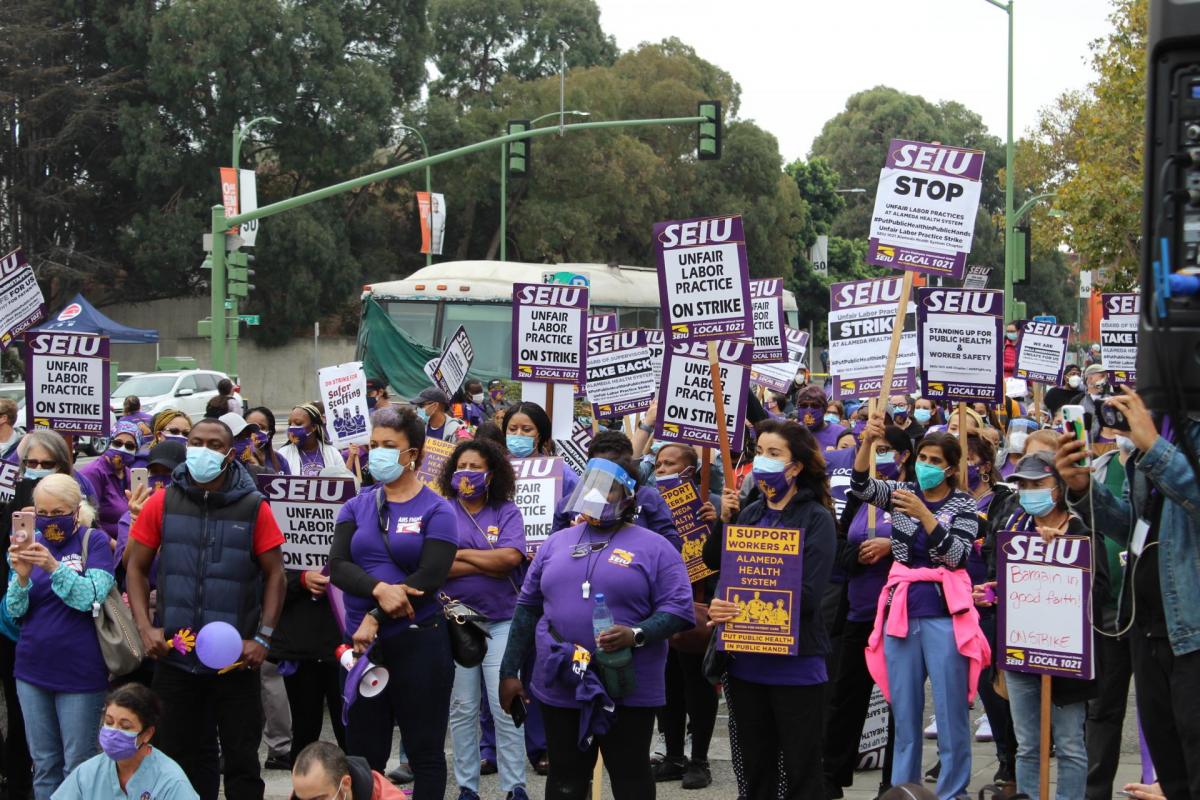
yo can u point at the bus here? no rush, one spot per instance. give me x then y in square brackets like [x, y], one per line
[426, 308]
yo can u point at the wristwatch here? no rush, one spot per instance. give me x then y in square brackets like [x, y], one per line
[266, 632]
[639, 637]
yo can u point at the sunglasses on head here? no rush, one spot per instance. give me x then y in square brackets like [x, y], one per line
[584, 548]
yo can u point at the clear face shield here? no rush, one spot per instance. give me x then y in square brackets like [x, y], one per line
[604, 492]
[1017, 432]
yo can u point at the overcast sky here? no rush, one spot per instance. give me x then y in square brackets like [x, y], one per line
[798, 60]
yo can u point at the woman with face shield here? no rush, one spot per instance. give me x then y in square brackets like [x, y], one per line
[598, 604]
[1014, 444]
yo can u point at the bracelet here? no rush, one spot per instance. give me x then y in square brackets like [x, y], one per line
[262, 641]
[378, 614]
[646, 428]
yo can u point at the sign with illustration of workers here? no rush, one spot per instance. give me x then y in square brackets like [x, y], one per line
[761, 572]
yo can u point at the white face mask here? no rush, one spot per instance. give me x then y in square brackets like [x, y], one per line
[1073, 381]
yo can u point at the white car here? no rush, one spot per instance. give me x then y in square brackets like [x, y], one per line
[187, 390]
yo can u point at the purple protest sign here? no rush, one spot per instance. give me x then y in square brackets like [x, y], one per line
[539, 488]
[687, 412]
[703, 278]
[305, 508]
[620, 377]
[903, 382]
[574, 450]
[66, 382]
[1118, 336]
[21, 303]
[778, 377]
[839, 464]
[1045, 613]
[861, 316]
[1042, 352]
[682, 498]
[600, 324]
[762, 570]
[549, 329]
[656, 343]
[766, 305]
[925, 207]
[960, 333]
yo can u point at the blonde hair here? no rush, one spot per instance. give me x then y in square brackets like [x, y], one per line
[164, 417]
[66, 489]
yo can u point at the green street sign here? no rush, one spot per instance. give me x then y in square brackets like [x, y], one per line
[249, 319]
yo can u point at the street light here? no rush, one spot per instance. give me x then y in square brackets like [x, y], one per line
[1010, 219]
[428, 183]
[504, 176]
[858, 190]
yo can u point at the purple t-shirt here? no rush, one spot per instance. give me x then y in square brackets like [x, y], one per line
[425, 516]
[828, 436]
[639, 573]
[864, 586]
[110, 493]
[311, 463]
[923, 597]
[58, 649]
[503, 526]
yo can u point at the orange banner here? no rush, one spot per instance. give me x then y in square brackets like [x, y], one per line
[425, 209]
[229, 193]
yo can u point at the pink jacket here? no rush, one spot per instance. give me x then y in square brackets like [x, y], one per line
[956, 586]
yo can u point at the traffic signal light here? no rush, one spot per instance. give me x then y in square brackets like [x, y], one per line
[708, 145]
[1021, 263]
[518, 151]
[239, 273]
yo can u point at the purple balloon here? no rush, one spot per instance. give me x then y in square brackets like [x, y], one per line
[218, 644]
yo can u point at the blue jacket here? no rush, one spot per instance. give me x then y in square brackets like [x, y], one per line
[1165, 467]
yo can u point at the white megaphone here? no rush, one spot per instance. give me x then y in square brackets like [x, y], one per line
[374, 679]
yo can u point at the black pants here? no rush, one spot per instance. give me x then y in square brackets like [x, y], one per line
[197, 709]
[1106, 714]
[999, 713]
[1168, 693]
[313, 687]
[624, 748]
[417, 699]
[779, 728]
[851, 696]
[689, 696]
[18, 766]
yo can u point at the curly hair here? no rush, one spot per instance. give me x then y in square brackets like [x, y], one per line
[805, 450]
[503, 485]
[403, 421]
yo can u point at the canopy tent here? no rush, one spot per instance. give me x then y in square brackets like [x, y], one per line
[80, 316]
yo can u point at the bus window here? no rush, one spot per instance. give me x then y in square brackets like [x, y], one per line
[417, 318]
[490, 327]
[793, 318]
[637, 317]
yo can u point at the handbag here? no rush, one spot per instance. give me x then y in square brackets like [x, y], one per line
[715, 663]
[468, 638]
[120, 643]
[694, 641]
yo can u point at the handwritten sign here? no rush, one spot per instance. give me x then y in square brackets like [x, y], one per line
[761, 571]
[688, 410]
[1042, 352]
[539, 487]
[684, 501]
[305, 509]
[703, 278]
[549, 331]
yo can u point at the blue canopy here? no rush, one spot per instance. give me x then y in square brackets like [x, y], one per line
[80, 316]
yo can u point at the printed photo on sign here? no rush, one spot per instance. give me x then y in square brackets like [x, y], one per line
[861, 317]
[961, 341]
[305, 510]
[21, 303]
[1042, 352]
[760, 568]
[1118, 336]
[620, 377]
[703, 278]
[455, 362]
[766, 303]
[688, 412]
[66, 382]
[549, 333]
[539, 488]
[344, 393]
[924, 218]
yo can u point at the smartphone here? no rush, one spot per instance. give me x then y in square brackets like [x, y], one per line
[519, 712]
[1074, 424]
[22, 528]
[139, 477]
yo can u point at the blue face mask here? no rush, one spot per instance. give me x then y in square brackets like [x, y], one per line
[899, 412]
[1010, 335]
[929, 476]
[519, 445]
[204, 464]
[423, 414]
[886, 466]
[1036, 502]
[922, 415]
[384, 464]
[36, 473]
[831, 419]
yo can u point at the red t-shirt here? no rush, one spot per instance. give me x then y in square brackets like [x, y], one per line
[148, 528]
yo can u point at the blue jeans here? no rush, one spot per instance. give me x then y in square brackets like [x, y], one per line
[929, 650]
[63, 730]
[464, 719]
[1067, 723]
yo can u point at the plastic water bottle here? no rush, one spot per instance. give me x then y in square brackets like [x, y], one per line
[601, 617]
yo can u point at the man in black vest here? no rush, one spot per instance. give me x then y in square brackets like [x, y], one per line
[220, 559]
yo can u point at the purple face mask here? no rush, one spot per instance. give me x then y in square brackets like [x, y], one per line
[974, 476]
[156, 481]
[888, 470]
[242, 448]
[298, 435]
[470, 485]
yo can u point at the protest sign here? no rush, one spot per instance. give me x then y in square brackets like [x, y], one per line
[1042, 352]
[539, 488]
[925, 206]
[688, 410]
[344, 392]
[903, 382]
[761, 573]
[976, 277]
[66, 382]
[599, 324]
[1118, 336]
[451, 369]
[766, 305]
[656, 343]
[861, 317]
[778, 377]
[620, 377]
[703, 278]
[961, 342]
[437, 453]
[684, 501]
[305, 508]
[549, 331]
[872, 744]
[21, 303]
[839, 464]
[1045, 612]
[574, 450]
[9, 474]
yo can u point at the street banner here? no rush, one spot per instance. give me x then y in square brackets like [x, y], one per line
[778, 377]
[229, 194]
[1118, 336]
[437, 453]
[761, 573]
[247, 200]
[66, 382]
[703, 278]
[1042, 352]
[1045, 594]
[818, 254]
[539, 488]
[1085, 284]
[574, 450]
[925, 206]
[305, 509]
[961, 336]
[656, 343]
[861, 317]
[620, 377]
[549, 332]
[344, 393]
[683, 498]
[599, 324]
[21, 302]
[976, 277]
[766, 304]
[452, 367]
[431, 208]
[687, 409]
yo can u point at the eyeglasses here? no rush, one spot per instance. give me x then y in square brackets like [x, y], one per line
[33, 463]
[810, 405]
[176, 431]
[129, 447]
[585, 548]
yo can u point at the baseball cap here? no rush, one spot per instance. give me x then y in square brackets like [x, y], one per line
[169, 453]
[237, 423]
[431, 395]
[1035, 467]
[375, 384]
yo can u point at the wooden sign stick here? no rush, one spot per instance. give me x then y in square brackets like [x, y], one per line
[1044, 750]
[872, 510]
[889, 369]
[714, 369]
[962, 442]
[705, 473]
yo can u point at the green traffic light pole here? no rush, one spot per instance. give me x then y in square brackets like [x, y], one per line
[1010, 218]
[504, 177]
[428, 185]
